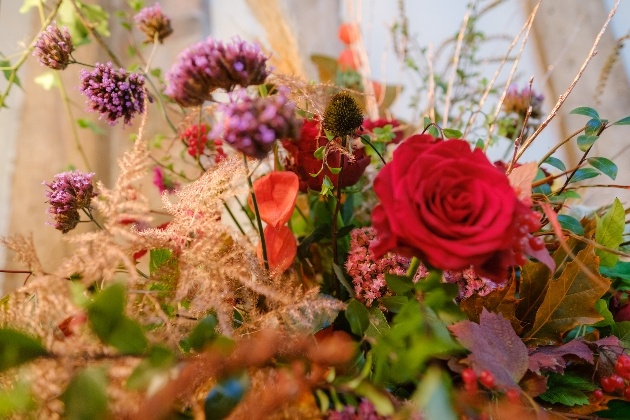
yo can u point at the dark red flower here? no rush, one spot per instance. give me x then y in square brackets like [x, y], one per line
[303, 162]
[451, 207]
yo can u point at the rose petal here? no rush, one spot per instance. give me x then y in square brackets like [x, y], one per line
[276, 193]
[281, 248]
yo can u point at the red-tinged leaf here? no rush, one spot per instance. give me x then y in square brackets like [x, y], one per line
[276, 193]
[501, 301]
[552, 216]
[521, 179]
[281, 248]
[570, 300]
[534, 384]
[551, 358]
[494, 347]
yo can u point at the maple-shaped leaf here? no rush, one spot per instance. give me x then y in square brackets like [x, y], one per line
[569, 300]
[521, 179]
[495, 347]
[551, 358]
[502, 301]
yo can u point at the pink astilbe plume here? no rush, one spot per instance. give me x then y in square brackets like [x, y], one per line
[368, 272]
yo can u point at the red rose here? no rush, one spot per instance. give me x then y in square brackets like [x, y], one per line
[449, 206]
[304, 163]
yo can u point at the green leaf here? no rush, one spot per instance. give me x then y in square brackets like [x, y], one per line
[98, 17]
[434, 396]
[622, 331]
[16, 400]
[204, 332]
[593, 127]
[17, 348]
[342, 279]
[85, 398]
[358, 317]
[128, 337]
[567, 389]
[47, 80]
[92, 126]
[28, 5]
[617, 410]
[380, 399]
[583, 174]
[601, 306]
[378, 324]
[399, 284]
[556, 163]
[334, 170]
[158, 258]
[605, 166]
[450, 133]
[584, 110]
[621, 270]
[393, 303]
[156, 366]
[570, 223]
[319, 153]
[225, 396]
[434, 131]
[584, 142]
[623, 121]
[609, 233]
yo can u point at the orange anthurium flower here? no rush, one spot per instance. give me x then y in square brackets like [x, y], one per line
[276, 193]
[281, 248]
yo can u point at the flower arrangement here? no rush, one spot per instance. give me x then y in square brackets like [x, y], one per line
[322, 259]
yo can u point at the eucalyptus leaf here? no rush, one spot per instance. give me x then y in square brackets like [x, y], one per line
[584, 110]
[605, 166]
[570, 223]
[623, 121]
[556, 163]
[583, 174]
[584, 142]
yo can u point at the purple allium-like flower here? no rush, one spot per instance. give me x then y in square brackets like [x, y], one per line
[365, 411]
[53, 47]
[210, 65]
[470, 283]
[252, 125]
[519, 101]
[113, 93]
[152, 22]
[367, 272]
[67, 194]
[163, 182]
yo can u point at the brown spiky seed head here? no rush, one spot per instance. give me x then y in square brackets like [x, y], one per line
[342, 116]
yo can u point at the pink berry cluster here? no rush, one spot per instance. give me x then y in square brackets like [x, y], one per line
[486, 379]
[618, 381]
[368, 272]
[470, 283]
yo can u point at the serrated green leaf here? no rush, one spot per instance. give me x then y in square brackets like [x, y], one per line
[583, 174]
[17, 348]
[605, 166]
[450, 133]
[86, 396]
[570, 223]
[623, 121]
[358, 317]
[556, 163]
[567, 389]
[584, 142]
[584, 110]
[609, 233]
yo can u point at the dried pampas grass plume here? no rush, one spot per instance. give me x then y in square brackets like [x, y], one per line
[286, 58]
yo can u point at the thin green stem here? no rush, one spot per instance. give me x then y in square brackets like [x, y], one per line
[73, 124]
[244, 210]
[335, 226]
[88, 213]
[238, 225]
[255, 204]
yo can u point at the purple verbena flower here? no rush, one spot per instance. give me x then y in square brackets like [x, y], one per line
[153, 22]
[368, 272]
[252, 125]
[518, 101]
[53, 47]
[115, 94]
[67, 194]
[210, 65]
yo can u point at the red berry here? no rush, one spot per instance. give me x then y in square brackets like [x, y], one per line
[608, 385]
[622, 367]
[513, 396]
[469, 376]
[617, 381]
[598, 395]
[486, 379]
[626, 393]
